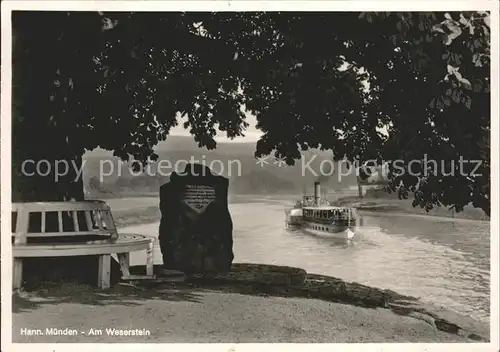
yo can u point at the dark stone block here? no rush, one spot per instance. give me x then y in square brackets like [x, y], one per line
[196, 230]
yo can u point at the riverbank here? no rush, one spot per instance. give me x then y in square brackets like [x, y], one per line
[388, 204]
[130, 211]
[129, 217]
[278, 309]
[253, 303]
[143, 210]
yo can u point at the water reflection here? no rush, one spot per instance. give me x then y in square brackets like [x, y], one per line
[442, 261]
[320, 240]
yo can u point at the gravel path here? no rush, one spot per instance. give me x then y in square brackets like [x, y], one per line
[207, 316]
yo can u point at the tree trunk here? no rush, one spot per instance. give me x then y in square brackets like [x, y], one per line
[45, 128]
[28, 187]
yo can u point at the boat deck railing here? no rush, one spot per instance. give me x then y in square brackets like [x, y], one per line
[308, 202]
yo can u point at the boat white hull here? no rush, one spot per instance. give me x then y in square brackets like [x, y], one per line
[344, 233]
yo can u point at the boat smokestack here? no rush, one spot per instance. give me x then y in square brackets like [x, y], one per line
[317, 193]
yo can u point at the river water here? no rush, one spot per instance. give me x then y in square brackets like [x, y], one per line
[442, 261]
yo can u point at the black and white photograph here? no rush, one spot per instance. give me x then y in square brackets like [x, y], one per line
[247, 172]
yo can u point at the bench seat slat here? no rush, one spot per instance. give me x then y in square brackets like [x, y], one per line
[67, 234]
[88, 218]
[75, 221]
[60, 221]
[43, 225]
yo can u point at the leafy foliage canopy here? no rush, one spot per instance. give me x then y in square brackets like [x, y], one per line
[368, 86]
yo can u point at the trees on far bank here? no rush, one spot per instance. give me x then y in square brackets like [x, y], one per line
[385, 86]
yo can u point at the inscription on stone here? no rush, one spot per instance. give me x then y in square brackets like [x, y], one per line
[199, 197]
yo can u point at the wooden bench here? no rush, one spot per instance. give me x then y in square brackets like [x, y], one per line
[34, 234]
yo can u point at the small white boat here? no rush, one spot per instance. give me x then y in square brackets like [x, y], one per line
[319, 218]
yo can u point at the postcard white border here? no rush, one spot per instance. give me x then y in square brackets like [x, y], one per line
[237, 5]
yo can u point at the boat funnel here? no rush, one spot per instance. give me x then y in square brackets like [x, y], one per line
[317, 193]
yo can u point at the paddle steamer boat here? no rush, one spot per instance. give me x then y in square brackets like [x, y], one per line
[318, 217]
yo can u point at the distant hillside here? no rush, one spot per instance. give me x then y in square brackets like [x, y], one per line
[261, 182]
[233, 160]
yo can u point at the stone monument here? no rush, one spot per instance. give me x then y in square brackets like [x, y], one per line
[196, 230]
